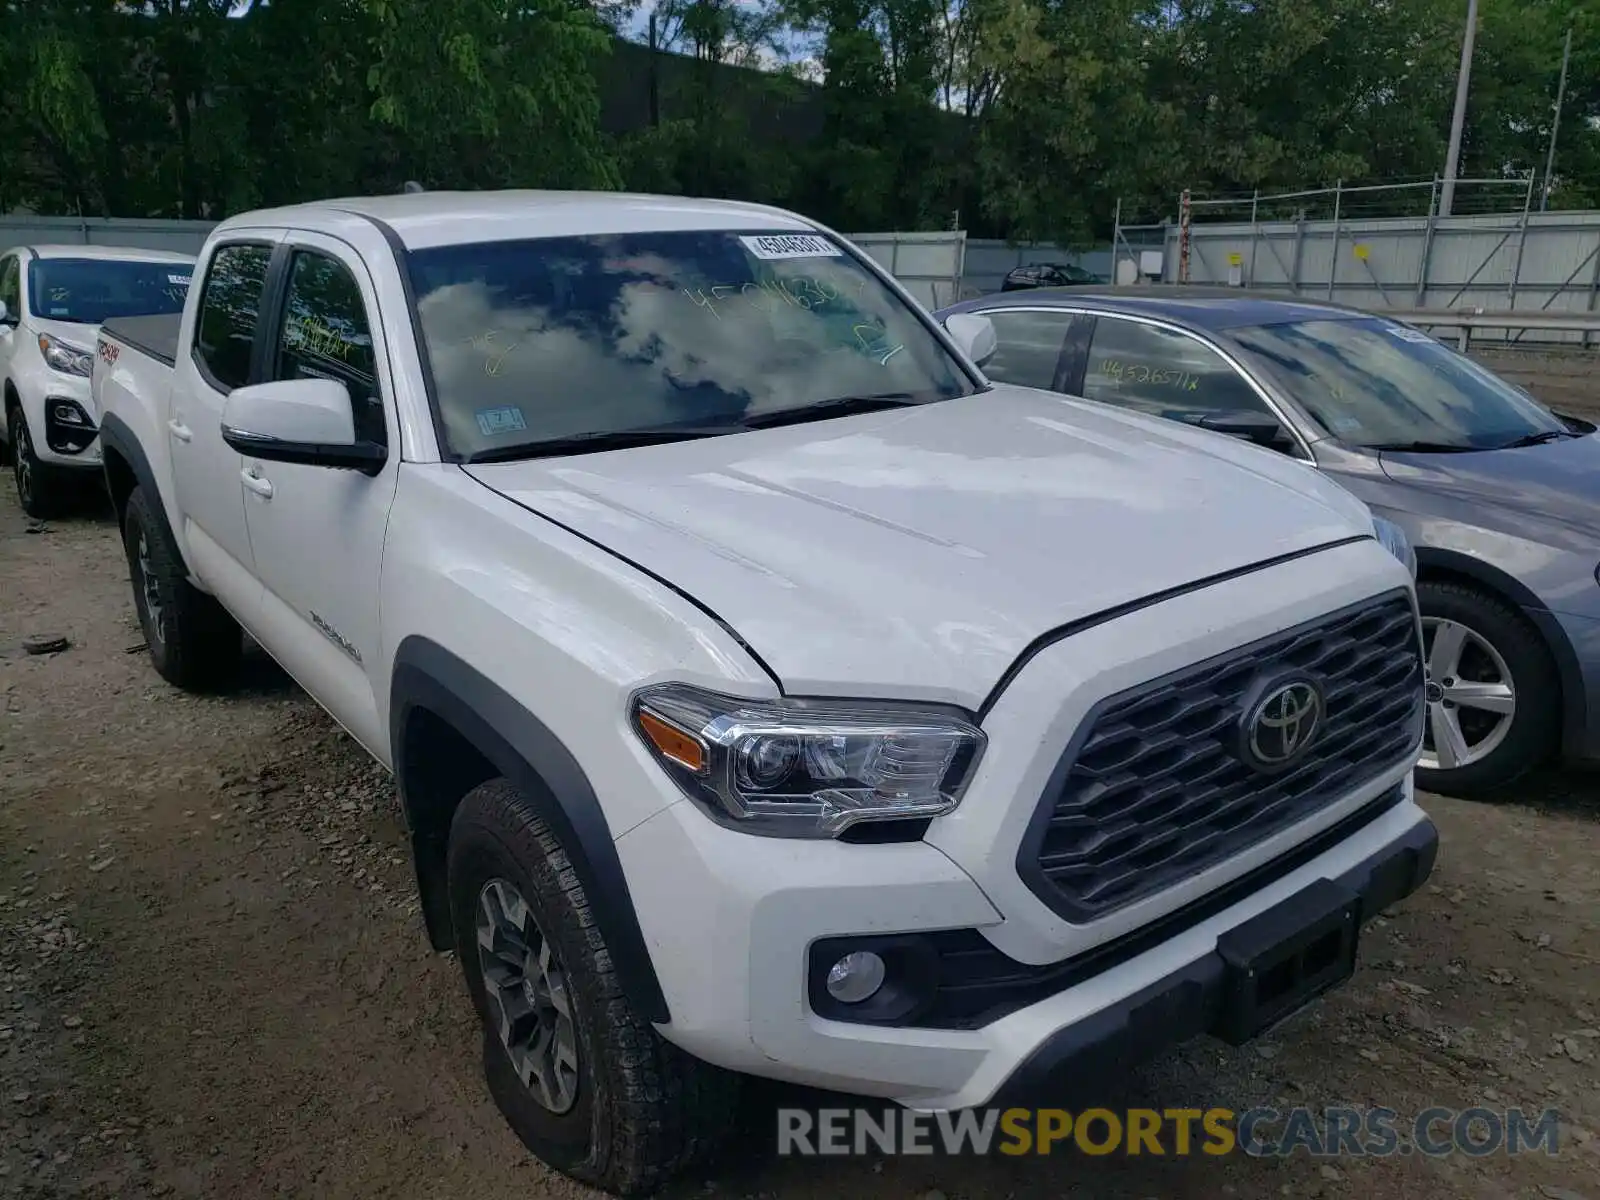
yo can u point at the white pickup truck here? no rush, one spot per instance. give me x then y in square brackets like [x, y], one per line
[768, 692]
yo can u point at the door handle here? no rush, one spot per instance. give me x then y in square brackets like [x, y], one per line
[258, 485]
[180, 430]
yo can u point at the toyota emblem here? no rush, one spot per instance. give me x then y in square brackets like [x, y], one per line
[1282, 724]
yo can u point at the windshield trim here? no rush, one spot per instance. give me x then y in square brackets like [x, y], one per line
[976, 382]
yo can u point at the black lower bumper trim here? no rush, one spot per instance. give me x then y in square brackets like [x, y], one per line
[1200, 998]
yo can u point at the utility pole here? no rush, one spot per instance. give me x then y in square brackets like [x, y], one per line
[1458, 121]
[1555, 122]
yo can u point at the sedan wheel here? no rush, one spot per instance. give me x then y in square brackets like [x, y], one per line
[1472, 696]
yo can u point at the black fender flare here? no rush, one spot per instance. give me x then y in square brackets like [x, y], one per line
[117, 437]
[1574, 706]
[524, 750]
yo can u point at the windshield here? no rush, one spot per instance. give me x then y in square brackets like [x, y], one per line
[90, 291]
[552, 339]
[1375, 383]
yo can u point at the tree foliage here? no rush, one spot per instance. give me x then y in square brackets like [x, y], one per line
[1023, 118]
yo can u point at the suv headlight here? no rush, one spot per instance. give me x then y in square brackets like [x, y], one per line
[1396, 542]
[807, 768]
[64, 356]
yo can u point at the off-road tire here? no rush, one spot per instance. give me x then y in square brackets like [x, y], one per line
[194, 643]
[1536, 726]
[645, 1110]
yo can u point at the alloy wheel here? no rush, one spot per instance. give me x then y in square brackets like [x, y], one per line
[22, 452]
[528, 991]
[1472, 697]
[149, 587]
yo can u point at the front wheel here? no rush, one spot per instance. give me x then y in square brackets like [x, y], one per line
[38, 487]
[1494, 698]
[587, 1084]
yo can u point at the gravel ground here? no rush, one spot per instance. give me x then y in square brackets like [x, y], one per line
[213, 980]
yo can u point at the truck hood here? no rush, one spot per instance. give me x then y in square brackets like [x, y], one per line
[916, 552]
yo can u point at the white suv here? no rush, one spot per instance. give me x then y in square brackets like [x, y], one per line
[768, 692]
[52, 301]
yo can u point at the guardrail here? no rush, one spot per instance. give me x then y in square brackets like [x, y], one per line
[1466, 322]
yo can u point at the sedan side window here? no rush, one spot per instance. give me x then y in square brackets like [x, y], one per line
[1163, 373]
[1028, 346]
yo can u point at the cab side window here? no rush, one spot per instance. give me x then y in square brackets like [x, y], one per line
[229, 307]
[11, 287]
[1027, 346]
[1163, 373]
[325, 335]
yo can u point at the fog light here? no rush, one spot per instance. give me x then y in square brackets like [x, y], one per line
[855, 977]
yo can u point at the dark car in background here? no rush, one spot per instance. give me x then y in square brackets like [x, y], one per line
[1499, 495]
[1046, 275]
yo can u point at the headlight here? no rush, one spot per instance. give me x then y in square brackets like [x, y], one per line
[65, 357]
[1396, 543]
[807, 768]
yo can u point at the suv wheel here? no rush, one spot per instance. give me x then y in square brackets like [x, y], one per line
[193, 642]
[587, 1084]
[37, 487]
[1493, 694]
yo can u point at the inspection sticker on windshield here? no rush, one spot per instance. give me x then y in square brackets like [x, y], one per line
[1406, 334]
[180, 280]
[494, 421]
[790, 245]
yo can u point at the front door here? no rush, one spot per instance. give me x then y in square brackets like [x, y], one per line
[205, 469]
[317, 532]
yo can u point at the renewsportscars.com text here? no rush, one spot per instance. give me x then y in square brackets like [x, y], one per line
[1178, 1132]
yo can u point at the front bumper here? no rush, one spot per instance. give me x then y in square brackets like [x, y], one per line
[56, 442]
[731, 919]
[1196, 998]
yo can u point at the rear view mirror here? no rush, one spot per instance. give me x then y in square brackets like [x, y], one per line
[307, 421]
[974, 335]
[1261, 428]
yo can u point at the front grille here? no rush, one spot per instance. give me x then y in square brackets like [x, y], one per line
[1153, 788]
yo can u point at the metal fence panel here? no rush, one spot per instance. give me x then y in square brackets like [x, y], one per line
[183, 237]
[928, 264]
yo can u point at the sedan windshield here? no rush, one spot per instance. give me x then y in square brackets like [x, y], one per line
[89, 291]
[1375, 383]
[625, 338]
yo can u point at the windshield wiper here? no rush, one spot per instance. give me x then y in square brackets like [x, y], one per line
[1425, 447]
[1539, 439]
[606, 439]
[842, 406]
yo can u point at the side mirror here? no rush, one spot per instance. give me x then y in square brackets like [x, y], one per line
[1261, 428]
[1576, 424]
[974, 335]
[7, 317]
[306, 421]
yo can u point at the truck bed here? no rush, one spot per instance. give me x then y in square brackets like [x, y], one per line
[156, 336]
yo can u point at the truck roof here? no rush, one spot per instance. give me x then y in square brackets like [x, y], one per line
[119, 253]
[427, 219]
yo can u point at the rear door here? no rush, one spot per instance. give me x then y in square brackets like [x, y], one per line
[220, 356]
[317, 532]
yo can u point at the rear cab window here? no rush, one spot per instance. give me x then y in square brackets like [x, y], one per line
[562, 337]
[225, 327]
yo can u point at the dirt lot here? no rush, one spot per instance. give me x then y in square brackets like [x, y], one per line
[213, 980]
